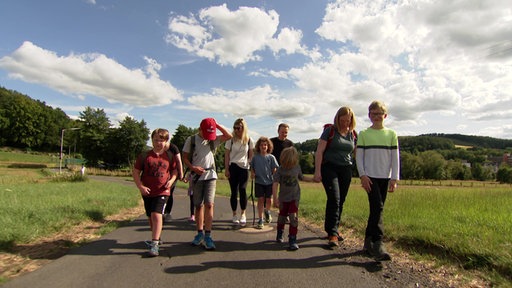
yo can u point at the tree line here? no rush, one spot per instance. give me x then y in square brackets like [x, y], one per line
[32, 125]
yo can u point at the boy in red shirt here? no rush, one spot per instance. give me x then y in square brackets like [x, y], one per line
[154, 175]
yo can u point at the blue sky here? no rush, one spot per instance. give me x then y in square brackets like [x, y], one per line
[440, 66]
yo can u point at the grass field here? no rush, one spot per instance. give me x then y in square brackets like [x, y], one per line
[469, 225]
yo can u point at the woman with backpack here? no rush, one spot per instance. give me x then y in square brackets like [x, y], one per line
[237, 159]
[333, 167]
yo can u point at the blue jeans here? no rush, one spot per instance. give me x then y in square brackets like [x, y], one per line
[376, 199]
[336, 181]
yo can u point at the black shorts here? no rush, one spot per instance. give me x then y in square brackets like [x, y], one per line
[261, 190]
[155, 204]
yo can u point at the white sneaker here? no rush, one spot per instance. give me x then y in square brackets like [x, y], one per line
[235, 220]
[243, 220]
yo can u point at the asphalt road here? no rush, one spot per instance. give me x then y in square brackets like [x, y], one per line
[245, 257]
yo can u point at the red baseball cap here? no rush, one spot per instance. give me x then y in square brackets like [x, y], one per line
[209, 128]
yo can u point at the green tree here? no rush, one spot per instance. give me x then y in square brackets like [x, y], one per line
[126, 142]
[410, 166]
[307, 163]
[95, 127]
[457, 170]
[504, 174]
[432, 165]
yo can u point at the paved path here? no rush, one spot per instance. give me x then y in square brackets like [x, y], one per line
[245, 257]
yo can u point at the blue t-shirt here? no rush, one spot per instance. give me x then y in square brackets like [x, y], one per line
[263, 167]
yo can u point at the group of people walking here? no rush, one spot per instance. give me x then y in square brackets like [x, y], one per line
[273, 165]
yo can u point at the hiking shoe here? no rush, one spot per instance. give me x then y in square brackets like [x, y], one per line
[279, 237]
[260, 224]
[333, 240]
[208, 243]
[153, 249]
[292, 241]
[235, 220]
[243, 220]
[192, 218]
[198, 239]
[268, 217]
[379, 252]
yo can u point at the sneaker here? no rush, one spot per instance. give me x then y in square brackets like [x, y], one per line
[198, 239]
[292, 240]
[243, 220]
[379, 252]
[235, 220]
[279, 237]
[192, 218]
[268, 217]
[153, 249]
[208, 243]
[260, 224]
[333, 240]
[149, 242]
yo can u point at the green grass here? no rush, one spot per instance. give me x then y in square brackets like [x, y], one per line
[10, 156]
[30, 211]
[468, 226]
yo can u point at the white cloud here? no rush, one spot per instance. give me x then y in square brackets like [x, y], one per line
[90, 74]
[233, 37]
[257, 102]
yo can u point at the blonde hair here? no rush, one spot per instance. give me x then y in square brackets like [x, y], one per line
[245, 135]
[270, 145]
[378, 105]
[162, 134]
[289, 157]
[342, 112]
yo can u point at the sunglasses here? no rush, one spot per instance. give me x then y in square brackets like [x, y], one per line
[238, 127]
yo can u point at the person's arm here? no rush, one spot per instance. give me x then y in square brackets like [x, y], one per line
[226, 162]
[179, 167]
[275, 186]
[136, 178]
[226, 135]
[319, 158]
[174, 177]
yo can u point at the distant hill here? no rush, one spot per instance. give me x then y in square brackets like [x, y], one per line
[474, 141]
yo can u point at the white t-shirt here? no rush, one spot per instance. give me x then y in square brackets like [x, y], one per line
[239, 153]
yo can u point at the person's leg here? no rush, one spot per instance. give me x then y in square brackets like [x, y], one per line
[330, 183]
[344, 180]
[294, 224]
[156, 225]
[243, 179]
[233, 185]
[198, 196]
[209, 200]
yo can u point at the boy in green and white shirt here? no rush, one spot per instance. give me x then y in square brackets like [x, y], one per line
[378, 163]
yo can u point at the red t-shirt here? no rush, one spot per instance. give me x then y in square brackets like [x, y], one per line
[156, 172]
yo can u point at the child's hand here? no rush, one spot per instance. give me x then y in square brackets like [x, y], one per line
[144, 191]
[392, 186]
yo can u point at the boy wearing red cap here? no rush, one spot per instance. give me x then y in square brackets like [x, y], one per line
[204, 177]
